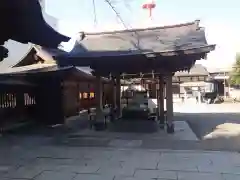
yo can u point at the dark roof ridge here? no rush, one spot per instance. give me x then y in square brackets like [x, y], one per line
[196, 22]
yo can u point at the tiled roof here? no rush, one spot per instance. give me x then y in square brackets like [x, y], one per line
[17, 52]
[26, 23]
[15, 82]
[83, 72]
[30, 69]
[166, 39]
[219, 70]
[196, 70]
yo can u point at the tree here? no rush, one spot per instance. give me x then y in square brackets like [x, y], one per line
[235, 74]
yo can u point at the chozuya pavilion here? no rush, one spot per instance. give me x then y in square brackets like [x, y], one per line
[162, 50]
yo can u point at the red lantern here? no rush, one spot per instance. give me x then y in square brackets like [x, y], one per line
[149, 6]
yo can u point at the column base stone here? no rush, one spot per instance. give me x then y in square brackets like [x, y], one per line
[99, 123]
[161, 126]
[170, 128]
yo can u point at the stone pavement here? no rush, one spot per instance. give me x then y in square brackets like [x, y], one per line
[182, 132]
[85, 163]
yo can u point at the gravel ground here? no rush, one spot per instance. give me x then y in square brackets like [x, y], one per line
[203, 119]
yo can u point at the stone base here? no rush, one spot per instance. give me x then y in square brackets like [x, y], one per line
[99, 126]
[170, 128]
[136, 126]
[161, 126]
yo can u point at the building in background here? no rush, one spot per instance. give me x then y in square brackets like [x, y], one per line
[221, 75]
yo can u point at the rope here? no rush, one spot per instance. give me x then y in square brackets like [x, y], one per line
[125, 25]
[94, 13]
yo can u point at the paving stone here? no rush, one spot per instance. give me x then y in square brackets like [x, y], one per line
[194, 158]
[140, 164]
[6, 168]
[222, 158]
[177, 166]
[77, 169]
[57, 152]
[107, 163]
[199, 176]
[14, 161]
[56, 161]
[231, 176]
[97, 154]
[94, 177]
[13, 179]
[219, 168]
[182, 161]
[125, 143]
[148, 174]
[142, 161]
[184, 155]
[122, 155]
[117, 171]
[51, 175]
[133, 178]
[167, 157]
[26, 172]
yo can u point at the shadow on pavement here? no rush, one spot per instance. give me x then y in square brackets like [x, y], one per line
[140, 126]
[221, 129]
[202, 124]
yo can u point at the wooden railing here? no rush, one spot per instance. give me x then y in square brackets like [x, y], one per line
[7, 100]
[16, 108]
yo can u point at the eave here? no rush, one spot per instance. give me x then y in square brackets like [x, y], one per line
[23, 22]
[173, 48]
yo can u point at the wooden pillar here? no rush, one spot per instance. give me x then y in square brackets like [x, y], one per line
[169, 103]
[50, 101]
[157, 97]
[118, 96]
[113, 84]
[20, 103]
[147, 87]
[78, 98]
[113, 99]
[99, 96]
[161, 102]
[155, 87]
[152, 90]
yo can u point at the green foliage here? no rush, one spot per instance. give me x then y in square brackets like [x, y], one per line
[235, 74]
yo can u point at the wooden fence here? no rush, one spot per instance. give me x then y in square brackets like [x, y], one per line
[16, 107]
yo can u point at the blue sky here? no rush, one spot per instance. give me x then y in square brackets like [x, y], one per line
[220, 18]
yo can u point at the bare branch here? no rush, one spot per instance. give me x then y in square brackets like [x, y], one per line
[116, 12]
[94, 13]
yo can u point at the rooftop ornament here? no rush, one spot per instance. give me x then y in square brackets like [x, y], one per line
[149, 6]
